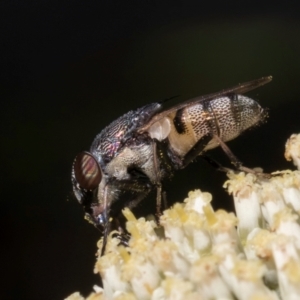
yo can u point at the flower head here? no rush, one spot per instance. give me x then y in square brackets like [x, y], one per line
[207, 254]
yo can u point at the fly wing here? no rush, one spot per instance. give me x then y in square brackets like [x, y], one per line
[238, 89]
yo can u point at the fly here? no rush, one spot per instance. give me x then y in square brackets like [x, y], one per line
[136, 152]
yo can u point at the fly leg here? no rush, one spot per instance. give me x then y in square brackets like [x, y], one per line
[105, 236]
[122, 235]
[235, 161]
[106, 221]
[215, 163]
[113, 224]
[195, 151]
[164, 200]
[123, 238]
[158, 202]
[200, 146]
[158, 181]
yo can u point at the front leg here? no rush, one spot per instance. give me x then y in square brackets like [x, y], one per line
[158, 184]
[107, 215]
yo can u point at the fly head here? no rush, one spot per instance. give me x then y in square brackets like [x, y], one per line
[87, 178]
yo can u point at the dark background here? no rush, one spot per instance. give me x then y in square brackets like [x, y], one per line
[68, 68]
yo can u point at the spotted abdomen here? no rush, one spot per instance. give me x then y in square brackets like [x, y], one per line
[226, 117]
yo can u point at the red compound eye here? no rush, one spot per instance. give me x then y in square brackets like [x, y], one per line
[87, 171]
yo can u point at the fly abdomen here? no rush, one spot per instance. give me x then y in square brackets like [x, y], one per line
[225, 117]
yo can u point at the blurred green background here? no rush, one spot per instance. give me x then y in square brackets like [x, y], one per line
[69, 68]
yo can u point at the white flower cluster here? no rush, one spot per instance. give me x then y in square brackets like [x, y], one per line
[200, 253]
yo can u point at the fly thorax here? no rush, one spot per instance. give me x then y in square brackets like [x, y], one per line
[139, 157]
